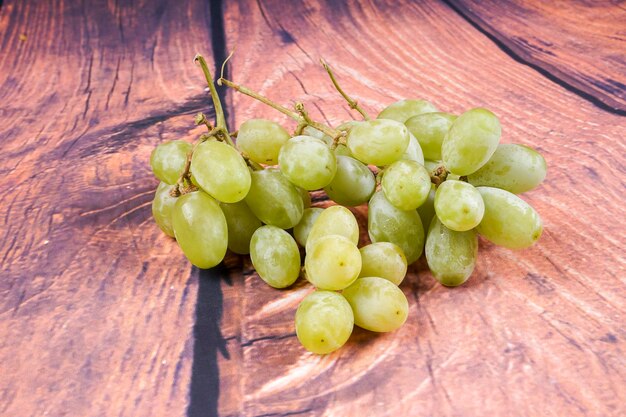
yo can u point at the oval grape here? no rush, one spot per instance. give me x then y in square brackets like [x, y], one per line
[406, 184]
[301, 230]
[459, 205]
[261, 140]
[168, 160]
[242, 223]
[332, 262]
[275, 256]
[353, 183]
[307, 162]
[162, 206]
[378, 142]
[335, 220]
[401, 110]
[430, 129]
[274, 200]
[384, 260]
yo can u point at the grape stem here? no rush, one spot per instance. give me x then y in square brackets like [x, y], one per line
[352, 103]
[439, 175]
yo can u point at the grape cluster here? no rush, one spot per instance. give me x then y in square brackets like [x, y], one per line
[432, 181]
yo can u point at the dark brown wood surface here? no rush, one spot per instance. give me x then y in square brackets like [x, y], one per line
[100, 314]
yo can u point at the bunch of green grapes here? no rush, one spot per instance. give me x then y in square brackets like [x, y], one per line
[432, 182]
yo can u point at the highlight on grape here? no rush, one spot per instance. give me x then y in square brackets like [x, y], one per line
[432, 181]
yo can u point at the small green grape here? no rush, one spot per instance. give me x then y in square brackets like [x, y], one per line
[406, 184]
[275, 256]
[200, 229]
[221, 171]
[430, 129]
[162, 206]
[353, 183]
[242, 223]
[301, 230]
[324, 322]
[261, 140]
[384, 260]
[509, 221]
[306, 197]
[413, 151]
[168, 160]
[332, 262]
[307, 162]
[378, 304]
[335, 220]
[451, 255]
[274, 200]
[459, 205]
[378, 142]
[427, 210]
[401, 110]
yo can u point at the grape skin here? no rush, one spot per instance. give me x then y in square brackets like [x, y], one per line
[509, 221]
[324, 322]
[200, 229]
[301, 230]
[335, 220]
[413, 151]
[275, 256]
[261, 140]
[378, 142]
[274, 200]
[384, 260]
[168, 160]
[430, 129]
[459, 205]
[427, 210]
[307, 162]
[401, 110]
[378, 304]
[221, 171]
[162, 206]
[451, 255]
[406, 184]
[470, 142]
[332, 263]
[512, 167]
[242, 223]
[353, 183]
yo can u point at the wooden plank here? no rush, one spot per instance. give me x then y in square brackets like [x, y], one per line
[535, 332]
[580, 44]
[97, 306]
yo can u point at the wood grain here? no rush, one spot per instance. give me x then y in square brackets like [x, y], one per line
[579, 44]
[535, 332]
[96, 305]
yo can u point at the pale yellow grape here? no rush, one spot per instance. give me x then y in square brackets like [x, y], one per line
[274, 200]
[200, 229]
[401, 110]
[451, 255]
[242, 223]
[168, 160]
[512, 167]
[387, 223]
[221, 171]
[275, 256]
[459, 205]
[509, 221]
[307, 162]
[470, 142]
[430, 129]
[301, 230]
[406, 184]
[261, 140]
[335, 220]
[353, 183]
[378, 304]
[332, 262]
[384, 260]
[413, 151]
[162, 206]
[324, 322]
[378, 142]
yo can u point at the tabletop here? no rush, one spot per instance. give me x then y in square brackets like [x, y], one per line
[101, 314]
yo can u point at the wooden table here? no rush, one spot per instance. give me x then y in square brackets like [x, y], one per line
[101, 315]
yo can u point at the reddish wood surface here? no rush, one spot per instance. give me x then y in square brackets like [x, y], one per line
[101, 315]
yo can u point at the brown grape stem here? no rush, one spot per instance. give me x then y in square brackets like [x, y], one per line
[354, 105]
[439, 175]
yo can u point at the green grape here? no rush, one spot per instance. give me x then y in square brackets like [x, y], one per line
[343, 150]
[451, 255]
[332, 262]
[311, 131]
[162, 208]
[275, 256]
[261, 140]
[335, 220]
[384, 260]
[353, 183]
[242, 223]
[427, 210]
[221, 171]
[406, 184]
[274, 200]
[200, 229]
[306, 197]
[324, 322]
[387, 223]
[168, 160]
[509, 221]
[401, 110]
[413, 151]
[378, 142]
[307, 162]
[301, 230]
[430, 129]
[515, 168]
[378, 304]
[470, 142]
[459, 205]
